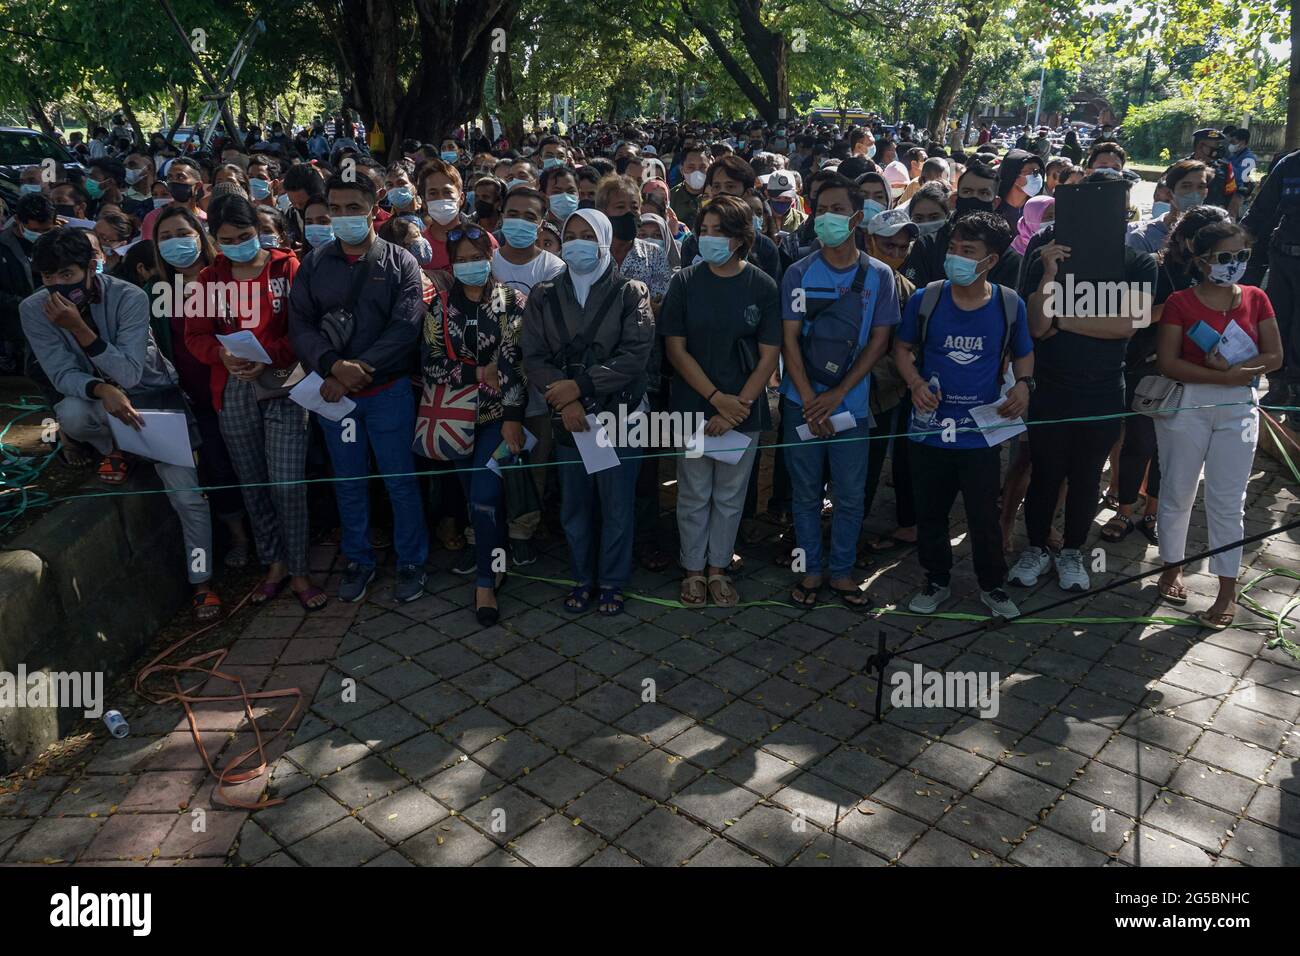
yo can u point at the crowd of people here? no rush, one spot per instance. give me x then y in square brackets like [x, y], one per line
[864, 294]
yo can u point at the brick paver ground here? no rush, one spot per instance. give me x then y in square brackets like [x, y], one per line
[431, 741]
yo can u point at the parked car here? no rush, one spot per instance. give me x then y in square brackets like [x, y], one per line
[21, 147]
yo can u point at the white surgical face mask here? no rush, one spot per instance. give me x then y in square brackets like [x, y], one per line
[1033, 185]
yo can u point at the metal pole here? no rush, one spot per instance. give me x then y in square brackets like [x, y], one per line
[1038, 107]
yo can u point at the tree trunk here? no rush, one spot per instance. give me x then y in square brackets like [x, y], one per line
[38, 111]
[446, 88]
[512, 119]
[951, 79]
[180, 114]
[1292, 140]
[130, 114]
[766, 50]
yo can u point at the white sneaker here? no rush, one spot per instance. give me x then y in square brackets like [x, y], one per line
[1069, 570]
[1000, 603]
[930, 599]
[1032, 564]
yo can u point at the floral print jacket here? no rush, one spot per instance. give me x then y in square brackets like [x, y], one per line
[446, 358]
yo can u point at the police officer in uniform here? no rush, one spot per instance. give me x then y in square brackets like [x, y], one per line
[1208, 146]
[1274, 218]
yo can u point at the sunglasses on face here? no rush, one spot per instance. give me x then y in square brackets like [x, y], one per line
[1227, 258]
[473, 233]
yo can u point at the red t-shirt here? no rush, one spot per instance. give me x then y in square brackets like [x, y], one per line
[1185, 310]
[261, 307]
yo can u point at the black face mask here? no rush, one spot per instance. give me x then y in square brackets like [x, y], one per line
[624, 226]
[181, 192]
[485, 210]
[966, 204]
[74, 292]
[67, 210]
[586, 204]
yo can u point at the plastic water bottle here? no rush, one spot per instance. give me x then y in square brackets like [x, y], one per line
[930, 418]
[116, 724]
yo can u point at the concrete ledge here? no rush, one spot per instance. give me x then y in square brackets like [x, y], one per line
[85, 589]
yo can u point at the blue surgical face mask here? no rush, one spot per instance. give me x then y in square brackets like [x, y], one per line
[283, 202]
[449, 156]
[181, 252]
[160, 201]
[516, 182]
[581, 255]
[563, 205]
[469, 199]
[269, 240]
[929, 228]
[758, 225]
[351, 230]
[1159, 209]
[1033, 184]
[551, 162]
[259, 188]
[28, 188]
[715, 250]
[318, 235]
[99, 267]
[657, 243]
[29, 235]
[93, 189]
[1188, 201]
[871, 151]
[422, 251]
[520, 233]
[870, 209]
[472, 273]
[960, 270]
[401, 197]
[245, 251]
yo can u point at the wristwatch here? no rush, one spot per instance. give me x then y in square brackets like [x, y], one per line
[1029, 382]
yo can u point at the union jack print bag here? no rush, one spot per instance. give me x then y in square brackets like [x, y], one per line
[444, 422]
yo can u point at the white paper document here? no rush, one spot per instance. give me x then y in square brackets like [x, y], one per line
[1235, 346]
[307, 394]
[530, 441]
[996, 429]
[728, 448]
[165, 437]
[594, 446]
[243, 344]
[841, 423]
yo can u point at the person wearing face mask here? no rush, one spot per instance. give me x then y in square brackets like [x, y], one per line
[783, 196]
[976, 192]
[485, 200]
[91, 335]
[876, 199]
[587, 337]
[619, 198]
[890, 237]
[687, 194]
[1020, 178]
[1216, 428]
[1080, 363]
[1188, 184]
[722, 328]
[138, 174]
[71, 202]
[369, 360]
[266, 434]
[34, 215]
[929, 207]
[441, 189]
[952, 361]
[732, 176]
[1031, 222]
[559, 186]
[1208, 146]
[838, 306]
[1242, 160]
[471, 336]
[185, 184]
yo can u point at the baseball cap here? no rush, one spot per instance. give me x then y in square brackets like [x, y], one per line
[779, 182]
[890, 222]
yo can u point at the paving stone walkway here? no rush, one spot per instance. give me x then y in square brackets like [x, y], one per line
[706, 737]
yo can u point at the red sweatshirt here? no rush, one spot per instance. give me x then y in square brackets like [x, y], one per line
[261, 306]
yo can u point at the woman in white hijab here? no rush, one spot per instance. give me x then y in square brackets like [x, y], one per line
[587, 339]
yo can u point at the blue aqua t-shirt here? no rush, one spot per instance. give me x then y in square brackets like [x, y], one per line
[964, 350]
[817, 279]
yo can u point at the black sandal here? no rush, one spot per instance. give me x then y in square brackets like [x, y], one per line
[579, 599]
[805, 595]
[1117, 529]
[1147, 528]
[851, 597]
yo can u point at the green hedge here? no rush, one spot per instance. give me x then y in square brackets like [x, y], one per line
[1154, 127]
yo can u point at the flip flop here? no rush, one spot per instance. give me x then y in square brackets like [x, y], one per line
[206, 606]
[721, 592]
[612, 597]
[309, 594]
[1219, 622]
[268, 591]
[694, 590]
[1170, 596]
[113, 469]
[579, 599]
[805, 595]
[851, 597]
[1147, 528]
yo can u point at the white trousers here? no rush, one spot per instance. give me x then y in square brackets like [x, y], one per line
[1221, 443]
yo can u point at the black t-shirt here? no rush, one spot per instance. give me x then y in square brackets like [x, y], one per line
[1140, 358]
[924, 264]
[724, 320]
[1077, 374]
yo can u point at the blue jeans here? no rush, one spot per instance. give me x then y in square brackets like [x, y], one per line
[601, 501]
[384, 422]
[485, 493]
[812, 464]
